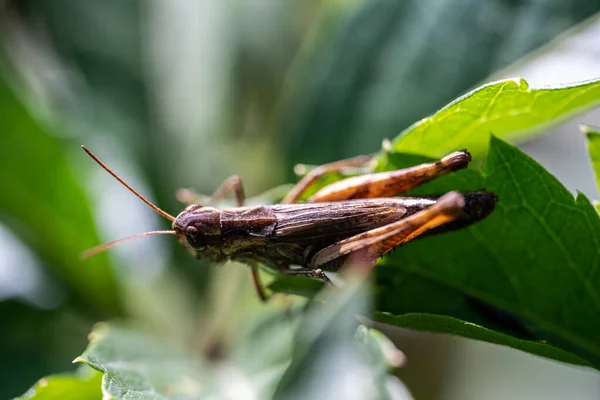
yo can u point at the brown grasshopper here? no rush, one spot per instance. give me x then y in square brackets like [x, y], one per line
[353, 215]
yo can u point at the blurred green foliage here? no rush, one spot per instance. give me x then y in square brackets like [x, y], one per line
[394, 62]
[48, 208]
[256, 364]
[184, 97]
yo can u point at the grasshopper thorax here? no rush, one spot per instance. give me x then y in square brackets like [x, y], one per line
[200, 226]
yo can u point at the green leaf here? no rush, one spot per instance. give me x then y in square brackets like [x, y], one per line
[593, 141]
[509, 109]
[45, 205]
[445, 324]
[85, 384]
[297, 285]
[535, 259]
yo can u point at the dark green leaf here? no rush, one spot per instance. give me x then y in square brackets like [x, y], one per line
[445, 324]
[535, 259]
[297, 285]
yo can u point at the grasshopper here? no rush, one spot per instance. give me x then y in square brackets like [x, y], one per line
[356, 215]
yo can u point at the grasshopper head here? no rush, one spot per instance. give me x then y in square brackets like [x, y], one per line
[198, 227]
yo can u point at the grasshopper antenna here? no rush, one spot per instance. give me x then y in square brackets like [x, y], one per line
[103, 247]
[132, 190]
[106, 246]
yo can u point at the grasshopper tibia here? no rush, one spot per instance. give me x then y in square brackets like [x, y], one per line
[378, 241]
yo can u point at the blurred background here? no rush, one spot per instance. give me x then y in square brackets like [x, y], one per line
[185, 93]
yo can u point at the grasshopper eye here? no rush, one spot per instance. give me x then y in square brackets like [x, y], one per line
[194, 239]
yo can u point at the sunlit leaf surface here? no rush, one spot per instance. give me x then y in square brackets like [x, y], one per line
[509, 109]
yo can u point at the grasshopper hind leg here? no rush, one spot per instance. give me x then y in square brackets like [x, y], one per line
[388, 184]
[373, 244]
[313, 176]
